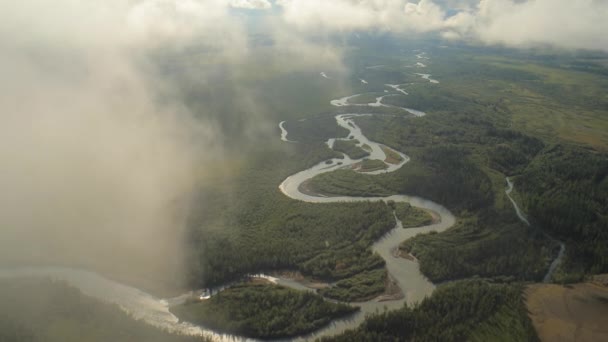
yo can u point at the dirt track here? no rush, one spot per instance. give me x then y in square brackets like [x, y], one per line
[569, 313]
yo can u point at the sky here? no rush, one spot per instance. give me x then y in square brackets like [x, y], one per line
[98, 155]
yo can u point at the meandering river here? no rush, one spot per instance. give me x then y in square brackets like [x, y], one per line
[405, 273]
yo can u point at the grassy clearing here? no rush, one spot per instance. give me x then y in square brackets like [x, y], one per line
[554, 102]
[573, 313]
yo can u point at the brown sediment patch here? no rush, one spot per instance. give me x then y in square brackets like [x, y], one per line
[392, 157]
[392, 290]
[576, 312]
[306, 188]
[436, 217]
[400, 253]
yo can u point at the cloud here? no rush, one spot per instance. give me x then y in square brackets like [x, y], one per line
[110, 113]
[563, 23]
[343, 15]
[98, 157]
[251, 4]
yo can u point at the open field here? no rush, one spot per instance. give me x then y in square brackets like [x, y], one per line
[569, 313]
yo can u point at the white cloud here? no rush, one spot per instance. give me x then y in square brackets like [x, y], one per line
[251, 4]
[98, 155]
[98, 158]
[394, 15]
[564, 23]
[323, 15]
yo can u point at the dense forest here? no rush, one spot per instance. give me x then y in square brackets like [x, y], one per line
[489, 119]
[262, 311]
[253, 227]
[42, 310]
[488, 245]
[458, 159]
[565, 192]
[488, 239]
[471, 310]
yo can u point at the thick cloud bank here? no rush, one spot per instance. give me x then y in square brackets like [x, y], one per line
[564, 23]
[97, 159]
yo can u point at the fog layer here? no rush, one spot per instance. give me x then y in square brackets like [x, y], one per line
[97, 157]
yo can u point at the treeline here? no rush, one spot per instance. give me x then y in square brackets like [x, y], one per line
[490, 245]
[565, 192]
[262, 311]
[472, 310]
[42, 310]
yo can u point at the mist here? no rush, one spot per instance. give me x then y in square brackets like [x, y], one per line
[102, 149]
[98, 155]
